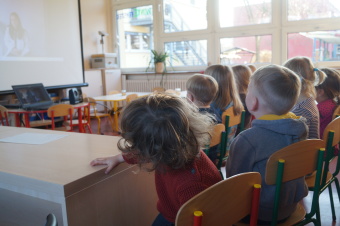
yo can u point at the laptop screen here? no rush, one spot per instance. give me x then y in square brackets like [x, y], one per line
[32, 96]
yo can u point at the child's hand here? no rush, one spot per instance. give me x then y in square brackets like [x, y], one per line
[111, 162]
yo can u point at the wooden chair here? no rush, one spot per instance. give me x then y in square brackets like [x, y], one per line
[131, 97]
[336, 112]
[224, 203]
[98, 115]
[293, 162]
[61, 110]
[113, 92]
[218, 136]
[158, 89]
[229, 119]
[332, 135]
[4, 116]
[51, 220]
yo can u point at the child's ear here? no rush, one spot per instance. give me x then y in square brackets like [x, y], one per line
[190, 96]
[254, 104]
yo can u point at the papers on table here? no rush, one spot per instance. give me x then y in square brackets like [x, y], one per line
[32, 138]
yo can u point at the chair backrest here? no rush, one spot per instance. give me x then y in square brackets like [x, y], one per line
[60, 110]
[158, 89]
[113, 92]
[131, 97]
[93, 104]
[216, 134]
[4, 116]
[336, 112]
[51, 220]
[233, 119]
[293, 162]
[224, 203]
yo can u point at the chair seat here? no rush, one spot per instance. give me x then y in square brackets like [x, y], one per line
[310, 180]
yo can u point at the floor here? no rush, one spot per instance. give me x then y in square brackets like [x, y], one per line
[326, 215]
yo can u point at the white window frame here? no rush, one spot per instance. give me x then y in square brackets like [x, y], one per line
[279, 28]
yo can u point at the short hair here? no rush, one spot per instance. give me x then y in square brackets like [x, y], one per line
[309, 75]
[252, 68]
[227, 90]
[331, 84]
[242, 75]
[278, 87]
[203, 87]
[165, 130]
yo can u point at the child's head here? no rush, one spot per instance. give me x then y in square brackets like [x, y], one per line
[227, 90]
[252, 68]
[309, 75]
[242, 75]
[201, 89]
[330, 88]
[273, 89]
[164, 130]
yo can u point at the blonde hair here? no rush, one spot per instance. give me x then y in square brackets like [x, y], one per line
[309, 75]
[164, 130]
[203, 87]
[252, 68]
[278, 86]
[242, 75]
[331, 85]
[227, 90]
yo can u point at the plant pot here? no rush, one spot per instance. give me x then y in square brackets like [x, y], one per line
[159, 67]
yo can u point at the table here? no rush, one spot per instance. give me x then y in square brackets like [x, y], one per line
[43, 122]
[56, 177]
[116, 98]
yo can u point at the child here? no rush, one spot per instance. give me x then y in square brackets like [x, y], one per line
[328, 97]
[168, 132]
[226, 97]
[201, 90]
[272, 92]
[306, 106]
[242, 75]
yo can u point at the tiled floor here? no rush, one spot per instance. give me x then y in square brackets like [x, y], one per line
[325, 208]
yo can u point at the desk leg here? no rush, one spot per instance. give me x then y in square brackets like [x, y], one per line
[80, 121]
[27, 120]
[115, 116]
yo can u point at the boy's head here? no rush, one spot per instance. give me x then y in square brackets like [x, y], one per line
[201, 89]
[273, 89]
[165, 130]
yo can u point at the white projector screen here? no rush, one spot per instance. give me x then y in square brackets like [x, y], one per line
[40, 42]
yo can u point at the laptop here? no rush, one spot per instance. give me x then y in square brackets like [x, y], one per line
[33, 96]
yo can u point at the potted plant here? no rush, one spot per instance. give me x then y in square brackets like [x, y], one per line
[159, 59]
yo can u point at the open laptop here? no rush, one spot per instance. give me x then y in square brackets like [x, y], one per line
[33, 96]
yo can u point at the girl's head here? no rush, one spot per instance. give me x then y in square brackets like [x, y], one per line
[309, 75]
[227, 90]
[164, 130]
[202, 88]
[330, 88]
[242, 75]
[16, 29]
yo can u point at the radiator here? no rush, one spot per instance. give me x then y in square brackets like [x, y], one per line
[148, 85]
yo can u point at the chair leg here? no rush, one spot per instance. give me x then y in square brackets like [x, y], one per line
[318, 217]
[337, 186]
[88, 127]
[332, 201]
[99, 124]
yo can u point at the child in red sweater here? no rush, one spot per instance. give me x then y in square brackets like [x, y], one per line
[168, 132]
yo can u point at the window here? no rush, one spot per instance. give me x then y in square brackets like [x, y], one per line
[238, 13]
[312, 9]
[196, 33]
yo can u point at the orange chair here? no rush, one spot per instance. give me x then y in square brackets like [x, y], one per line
[224, 203]
[131, 97]
[85, 121]
[336, 112]
[61, 110]
[4, 116]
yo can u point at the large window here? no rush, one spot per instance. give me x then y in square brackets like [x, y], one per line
[197, 33]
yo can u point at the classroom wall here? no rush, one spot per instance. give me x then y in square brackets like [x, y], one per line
[96, 16]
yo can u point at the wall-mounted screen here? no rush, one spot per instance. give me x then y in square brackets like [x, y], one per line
[40, 42]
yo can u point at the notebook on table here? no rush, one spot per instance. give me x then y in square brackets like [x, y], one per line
[33, 96]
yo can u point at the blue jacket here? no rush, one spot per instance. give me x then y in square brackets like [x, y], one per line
[250, 151]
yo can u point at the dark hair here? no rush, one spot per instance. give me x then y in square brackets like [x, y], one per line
[164, 130]
[17, 32]
[331, 84]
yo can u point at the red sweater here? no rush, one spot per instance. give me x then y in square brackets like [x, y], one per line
[175, 187]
